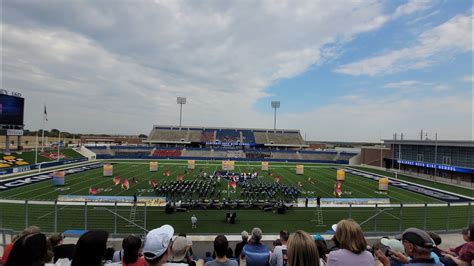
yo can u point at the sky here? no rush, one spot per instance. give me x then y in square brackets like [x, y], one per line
[343, 70]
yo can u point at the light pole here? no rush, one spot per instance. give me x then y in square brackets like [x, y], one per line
[180, 101]
[59, 142]
[275, 105]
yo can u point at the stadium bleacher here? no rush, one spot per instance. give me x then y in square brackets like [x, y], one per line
[228, 135]
[167, 153]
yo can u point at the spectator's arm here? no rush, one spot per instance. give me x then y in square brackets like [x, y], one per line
[382, 258]
[400, 257]
[458, 261]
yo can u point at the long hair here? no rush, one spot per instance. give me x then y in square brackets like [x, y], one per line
[302, 250]
[131, 246]
[350, 236]
[90, 248]
[471, 232]
[30, 249]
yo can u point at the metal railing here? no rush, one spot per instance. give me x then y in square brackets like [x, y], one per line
[123, 218]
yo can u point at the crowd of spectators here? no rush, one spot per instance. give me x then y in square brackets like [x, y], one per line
[413, 247]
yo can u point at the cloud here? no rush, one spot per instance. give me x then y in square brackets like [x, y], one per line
[405, 84]
[412, 6]
[435, 45]
[119, 68]
[468, 78]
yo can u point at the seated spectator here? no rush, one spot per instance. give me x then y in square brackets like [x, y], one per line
[387, 247]
[158, 245]
[255, 253]
[229, 254]
[30, 249]
[279, 255]
[322, 249]
[61, 250]
[221, 247]
[417, 245]
[208, 256]
[180, 252]
[352, 246]
[90, 248]
[465, 255]
[240, 245]
[302, 250]
[131, 251]
[8, 247]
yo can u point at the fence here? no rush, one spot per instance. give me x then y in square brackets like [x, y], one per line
[124, 218]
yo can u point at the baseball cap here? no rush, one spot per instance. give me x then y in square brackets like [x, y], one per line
[393, 244]
[417, 237]
[334, 227]
[180, 247]
[317, 237]
[157, 242]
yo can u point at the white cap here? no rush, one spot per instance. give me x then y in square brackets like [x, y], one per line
[157, 242]
[334, 227]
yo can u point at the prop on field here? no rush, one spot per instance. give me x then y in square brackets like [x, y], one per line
[300, 184]
[270, 173]
[152, 183]
[300, 169]
[108, 170]
[166, 173]
[337, 189]
[233, 184]
[180, 177]
[9, 161]
[341, 175]
[383, 184]
[191, 164]
[125, 184]
[153, 166]
[228, 165]
[53, 155]
[264, 166]
[310, 181]
[117, 180]
[277, 179]
[58, 178]
[93, 190]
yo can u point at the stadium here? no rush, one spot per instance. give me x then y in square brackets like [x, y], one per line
[211, 183]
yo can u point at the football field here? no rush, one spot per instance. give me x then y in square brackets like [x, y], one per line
[42, 211]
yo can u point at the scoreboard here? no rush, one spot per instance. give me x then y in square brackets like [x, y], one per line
[11, 110]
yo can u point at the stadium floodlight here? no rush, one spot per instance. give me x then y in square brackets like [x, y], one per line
[275, 105]
[180, 101]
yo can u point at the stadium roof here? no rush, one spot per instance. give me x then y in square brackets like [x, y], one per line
[452, 143]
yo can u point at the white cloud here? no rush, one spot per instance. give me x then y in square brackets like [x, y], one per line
[451, 37]
[119, 68]
[467, 78]
[412, 6]
[405, 84]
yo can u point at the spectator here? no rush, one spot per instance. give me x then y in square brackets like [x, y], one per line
[352, 246]
[465, 255]
[279, 256]
[208, 256]
[131, 247]
[30, 249]
[180, 252]
[229, 254]
[158, 245]
[240, 245]
[302, 250]
[322, 249]
[221, 246]
[418, 246]
[90, 248]
[61, 250]
[8, 247]
[387, 247]
[255, 253]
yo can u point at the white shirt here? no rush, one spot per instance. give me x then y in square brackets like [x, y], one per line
[194, 219]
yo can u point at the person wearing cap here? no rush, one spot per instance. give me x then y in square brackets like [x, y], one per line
[158, 245]
[386, 248]
[240, 245]
[418, 246]
[180, 252]
[221, 246]
[352, 245]
[279, 256]
[255, 253]
[194, 221]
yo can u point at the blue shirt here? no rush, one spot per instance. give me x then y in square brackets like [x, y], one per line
[256, 254]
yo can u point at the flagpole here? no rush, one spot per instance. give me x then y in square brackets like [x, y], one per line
[36, 149]
[42, 137]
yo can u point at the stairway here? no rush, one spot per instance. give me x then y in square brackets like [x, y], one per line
[319, 216]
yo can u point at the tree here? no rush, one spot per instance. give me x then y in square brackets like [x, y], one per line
[142, 136]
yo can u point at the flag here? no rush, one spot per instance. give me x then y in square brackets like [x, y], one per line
[125, 184]
[117, 180]
[180, 177]
[93, 190]
[45, 113]
[152, 183]
[233, 184]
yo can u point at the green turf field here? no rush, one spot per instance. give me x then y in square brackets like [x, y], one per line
[62, 217]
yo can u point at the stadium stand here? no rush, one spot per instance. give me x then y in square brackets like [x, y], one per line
[167, 153]
[171, 135]
[228, 135]
[261, 137]
[194, 135]
[293, 138]
[248, 137]
[208, 135]
[235, 154]
[196, 153]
